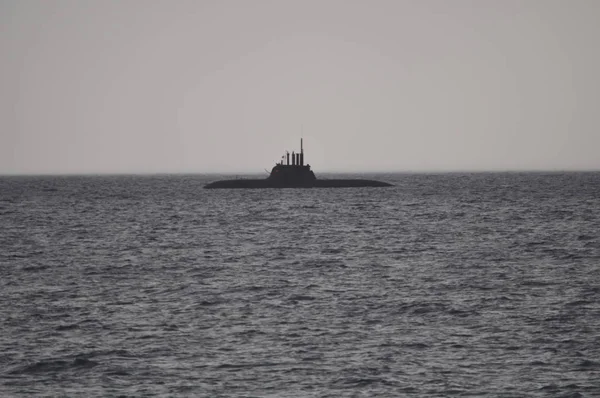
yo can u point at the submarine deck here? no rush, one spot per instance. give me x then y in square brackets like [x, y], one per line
[257, 184]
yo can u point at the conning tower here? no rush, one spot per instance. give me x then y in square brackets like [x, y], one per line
[294, 174]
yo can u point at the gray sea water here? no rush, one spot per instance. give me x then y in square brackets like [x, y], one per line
[444, 285]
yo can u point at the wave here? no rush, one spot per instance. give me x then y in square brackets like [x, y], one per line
[53, 366]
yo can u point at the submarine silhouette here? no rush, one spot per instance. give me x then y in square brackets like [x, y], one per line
[294, 174]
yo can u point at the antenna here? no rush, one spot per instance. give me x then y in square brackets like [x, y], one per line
[301, 146]
[301, 136]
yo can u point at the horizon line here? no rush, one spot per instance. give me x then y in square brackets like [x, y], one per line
[222, 173]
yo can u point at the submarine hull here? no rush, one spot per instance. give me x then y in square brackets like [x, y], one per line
[266, 183]
[294, 175]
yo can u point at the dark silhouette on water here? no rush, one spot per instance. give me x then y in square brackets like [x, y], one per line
[294, 174]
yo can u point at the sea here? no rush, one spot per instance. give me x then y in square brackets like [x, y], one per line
[444, 285]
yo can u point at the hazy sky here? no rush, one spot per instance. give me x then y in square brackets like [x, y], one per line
[226, 86]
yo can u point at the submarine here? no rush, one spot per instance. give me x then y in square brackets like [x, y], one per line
[291, 172]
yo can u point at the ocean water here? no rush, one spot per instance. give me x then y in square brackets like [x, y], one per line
[482, 285]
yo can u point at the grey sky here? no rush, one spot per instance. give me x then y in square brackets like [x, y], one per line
[226, 86]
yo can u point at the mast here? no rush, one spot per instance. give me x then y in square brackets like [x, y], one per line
[301, 153]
